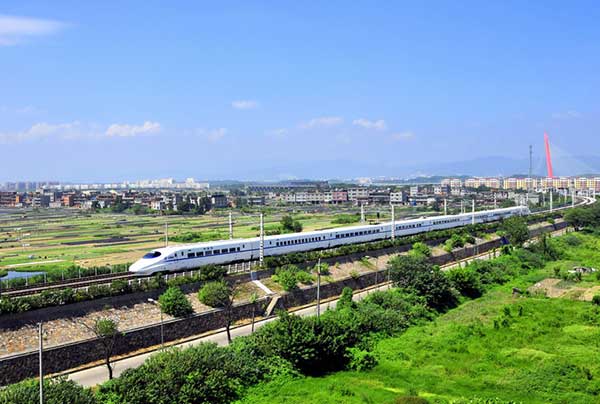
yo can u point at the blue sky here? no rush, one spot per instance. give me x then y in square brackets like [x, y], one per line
[111, 90]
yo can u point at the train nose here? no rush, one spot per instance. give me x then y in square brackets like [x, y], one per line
[137, 266]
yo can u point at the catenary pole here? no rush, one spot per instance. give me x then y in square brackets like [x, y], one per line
[262, 240]
[393, 223]
[41, 350]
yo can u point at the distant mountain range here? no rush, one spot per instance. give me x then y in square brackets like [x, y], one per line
[482, 167]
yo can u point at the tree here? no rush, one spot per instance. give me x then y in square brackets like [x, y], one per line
[416, 274]
[345, 300]
[292, 338]
[106, 330]
[220, 295]
[420, 249]
[466, 281]
[516, 230]
[56, 391]
[290, 225]
[175, 303]
[581, 217]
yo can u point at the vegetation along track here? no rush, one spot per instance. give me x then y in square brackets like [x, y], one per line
[108, 278]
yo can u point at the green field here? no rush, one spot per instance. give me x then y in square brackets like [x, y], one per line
[76, 237]
[524, 349]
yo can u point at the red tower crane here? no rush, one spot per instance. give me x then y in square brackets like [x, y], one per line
[548, 157]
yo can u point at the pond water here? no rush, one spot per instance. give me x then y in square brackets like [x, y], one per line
[16, 275]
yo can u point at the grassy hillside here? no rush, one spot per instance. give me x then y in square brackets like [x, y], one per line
[540, 351]
[510, 349]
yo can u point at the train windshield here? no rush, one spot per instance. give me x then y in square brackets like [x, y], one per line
[153, 254]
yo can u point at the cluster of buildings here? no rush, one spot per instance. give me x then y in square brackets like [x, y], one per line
[163, 183]
[189, 195]
[186, 200]
[577, 183]
[97, 199]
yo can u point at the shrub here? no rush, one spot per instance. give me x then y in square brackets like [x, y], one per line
[119, 286]
[360, 360]
[324, 268]
[304, 277]
[345, 300]
[345, 218]
[56, 391]
[204, 373]
[214, 294]
[287, 279]
[212, 273]
[420, 249]
[175, 303]
[466, 281]
[596, 300]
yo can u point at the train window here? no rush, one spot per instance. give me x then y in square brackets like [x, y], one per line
[191, 255]
[238, 248]
[232, 250]
[153, 254]
[200, 254]
[209, 252]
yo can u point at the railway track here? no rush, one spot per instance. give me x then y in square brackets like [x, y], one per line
[108, 278]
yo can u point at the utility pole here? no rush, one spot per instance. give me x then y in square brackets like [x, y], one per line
[495, 202]
[473, 212]
[230, 226]
[162, 328]
[445, 206]
[551, 196]
[261, 250]
[462, 206]
[166, 234]
[41, 350]
[319, 288]
[393, 223]
[573, 197]
[362, 213]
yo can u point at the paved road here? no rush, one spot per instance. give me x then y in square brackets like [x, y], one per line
[99, 374]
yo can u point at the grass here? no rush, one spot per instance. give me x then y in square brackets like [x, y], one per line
[50, 234]
[530, 350]
[550, 353]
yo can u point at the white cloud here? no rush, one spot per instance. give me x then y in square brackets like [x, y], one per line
[324, 121]
[277, 133]
[124, 130]
[244, 104]
[402, 136]
[571, 114]
[215, 135]
[40, 130]
[365, 123]
[14, 30]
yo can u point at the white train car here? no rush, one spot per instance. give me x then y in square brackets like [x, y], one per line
[189, 256]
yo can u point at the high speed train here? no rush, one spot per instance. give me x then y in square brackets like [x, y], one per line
[190, 256]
